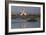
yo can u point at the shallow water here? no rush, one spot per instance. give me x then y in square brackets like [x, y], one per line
[21, 23]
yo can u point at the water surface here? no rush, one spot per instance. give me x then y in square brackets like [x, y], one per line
[21, 23]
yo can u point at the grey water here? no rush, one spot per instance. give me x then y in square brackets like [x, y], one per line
[21, 23]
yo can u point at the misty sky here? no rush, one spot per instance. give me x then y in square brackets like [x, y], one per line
[30, 10]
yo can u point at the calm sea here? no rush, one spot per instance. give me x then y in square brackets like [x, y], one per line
[21, 23]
